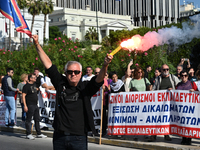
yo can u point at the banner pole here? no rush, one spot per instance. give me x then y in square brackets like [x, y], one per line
[101, 116]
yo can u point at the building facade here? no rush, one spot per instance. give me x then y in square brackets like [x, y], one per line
[149, 13]
[187, 10]
[75, 22]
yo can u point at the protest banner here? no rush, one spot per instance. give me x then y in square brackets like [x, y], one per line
[47, 101]
[154, 113]
[96, 108]
[46, 104]
[3, 110]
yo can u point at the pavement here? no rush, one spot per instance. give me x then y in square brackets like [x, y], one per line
[128, 141]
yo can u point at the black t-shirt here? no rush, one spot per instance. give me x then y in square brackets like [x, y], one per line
[31, 94]
[73, 113]
[165, 83]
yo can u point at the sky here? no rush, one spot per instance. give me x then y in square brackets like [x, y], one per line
[196, 2]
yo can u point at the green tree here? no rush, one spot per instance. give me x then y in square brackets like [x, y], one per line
[53, 33]
[91, 34]
[46, 9]
[22, 4]
[34, 8]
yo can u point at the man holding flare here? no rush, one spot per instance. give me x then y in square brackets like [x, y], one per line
[73, 112]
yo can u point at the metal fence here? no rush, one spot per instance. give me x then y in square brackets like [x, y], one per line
[14, 46]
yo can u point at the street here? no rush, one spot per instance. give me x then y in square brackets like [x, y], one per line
[17, 141]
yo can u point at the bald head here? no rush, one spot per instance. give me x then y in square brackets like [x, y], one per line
[97, 70]
[165, 70]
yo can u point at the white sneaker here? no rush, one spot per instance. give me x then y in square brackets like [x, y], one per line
[30, 137]
[41, 136]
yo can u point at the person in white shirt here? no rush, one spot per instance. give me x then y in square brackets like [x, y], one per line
[88, 75]
[127, 77]
[46, 83]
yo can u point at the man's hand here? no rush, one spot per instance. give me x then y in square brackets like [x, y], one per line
[35, 39]
[191, 90]
[107, 59]
[25, 108]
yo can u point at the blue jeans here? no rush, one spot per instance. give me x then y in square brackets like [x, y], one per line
[23, 112]
[69, 142]
[10, 109]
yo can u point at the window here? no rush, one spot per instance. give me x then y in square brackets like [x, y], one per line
[37, 32]
[15, 33]
[73, 36]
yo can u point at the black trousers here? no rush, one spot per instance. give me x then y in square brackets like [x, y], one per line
[33, 111]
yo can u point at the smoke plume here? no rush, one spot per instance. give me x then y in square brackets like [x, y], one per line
[173, 35]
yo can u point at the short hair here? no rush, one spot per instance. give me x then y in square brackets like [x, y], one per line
[89, 67]
[9, 69]
[36, 68]
[69, 63]
[23, 76]
[164, 65]
[30, 75]
[180, 66]
[112, 73]
[148, 66]
[158, 68]
[184, 71]
[136, 76]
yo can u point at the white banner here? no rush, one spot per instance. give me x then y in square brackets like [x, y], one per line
[96, 108]
[46, 104]
[47, 101]
[155, 113]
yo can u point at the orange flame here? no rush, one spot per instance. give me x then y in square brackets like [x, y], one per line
[132, 43]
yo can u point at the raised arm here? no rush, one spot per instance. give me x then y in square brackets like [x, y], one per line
[43, 56]
[129, 68]
[104, 68]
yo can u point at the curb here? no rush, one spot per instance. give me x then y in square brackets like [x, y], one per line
[117, 142]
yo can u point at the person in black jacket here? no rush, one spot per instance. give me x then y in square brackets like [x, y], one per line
[73, 112]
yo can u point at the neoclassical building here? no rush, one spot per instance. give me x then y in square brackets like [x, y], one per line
[75, 22]
[149, 13]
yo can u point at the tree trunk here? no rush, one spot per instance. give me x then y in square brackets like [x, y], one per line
[32, 23]
[45, 20]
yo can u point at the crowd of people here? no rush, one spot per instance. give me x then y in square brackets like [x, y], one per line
[73, 113]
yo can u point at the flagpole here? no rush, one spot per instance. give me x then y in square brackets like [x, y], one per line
[97, 23]
[102, 96]
[9, 34]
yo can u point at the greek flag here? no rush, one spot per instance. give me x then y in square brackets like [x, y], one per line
[10, 10]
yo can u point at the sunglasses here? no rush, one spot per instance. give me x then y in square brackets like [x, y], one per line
[12, 72]
[71, 72]
[184, 75]
[165, 69]
[139, 72]
[96, 72]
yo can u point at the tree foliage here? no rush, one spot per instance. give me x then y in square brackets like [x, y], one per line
[34, 8]
[62, 49]
[53, 33]
[47, 8]
[91, 34]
